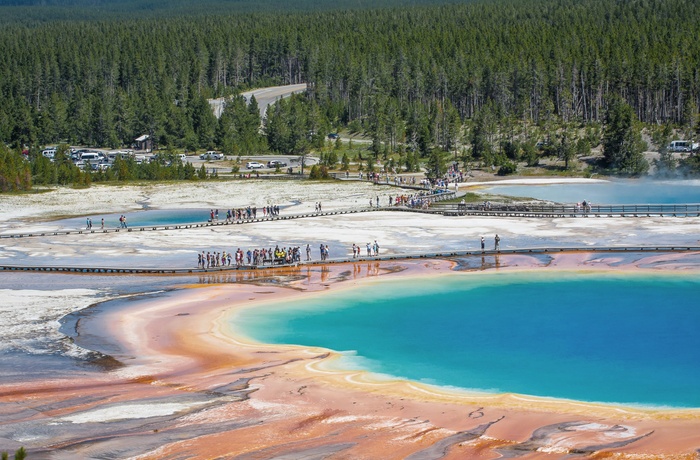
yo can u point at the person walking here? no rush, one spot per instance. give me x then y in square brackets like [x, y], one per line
[483, 244]
[308, 252]
[497, 243]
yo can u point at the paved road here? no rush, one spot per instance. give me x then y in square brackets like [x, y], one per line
[264, 96]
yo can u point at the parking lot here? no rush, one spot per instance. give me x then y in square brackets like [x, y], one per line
[103, 159]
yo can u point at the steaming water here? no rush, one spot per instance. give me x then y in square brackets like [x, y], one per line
[616, 192]
[619, 339]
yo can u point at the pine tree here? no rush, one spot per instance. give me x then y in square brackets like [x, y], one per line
[623, 146]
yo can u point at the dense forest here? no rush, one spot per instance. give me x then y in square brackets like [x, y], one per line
[38, 11]
[407, 77]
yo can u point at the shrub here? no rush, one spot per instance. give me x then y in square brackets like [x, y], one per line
[507, 168]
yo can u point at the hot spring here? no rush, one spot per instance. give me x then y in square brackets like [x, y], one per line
[614, 338]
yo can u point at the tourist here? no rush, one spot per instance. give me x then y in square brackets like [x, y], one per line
[308, 252]
[497, 242]
[103, 223]
[376, 248]
[483, 244]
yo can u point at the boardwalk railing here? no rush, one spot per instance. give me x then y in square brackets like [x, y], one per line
[638, 210]
[389, 257]
[215, 223]
[549, 210]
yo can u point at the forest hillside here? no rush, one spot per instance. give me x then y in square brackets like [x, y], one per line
[474, 77]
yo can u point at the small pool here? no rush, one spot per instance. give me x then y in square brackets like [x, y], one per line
[604, 192]
[146, 218]
[151, 217]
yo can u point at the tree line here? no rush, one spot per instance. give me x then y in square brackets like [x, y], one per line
[410, 78]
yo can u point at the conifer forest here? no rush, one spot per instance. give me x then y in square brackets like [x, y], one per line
[465, 75]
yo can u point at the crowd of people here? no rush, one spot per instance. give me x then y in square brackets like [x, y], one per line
[419, 200]
[251, 257]
[247, 213]
[372, 249]
[278, 255]
[584, 206]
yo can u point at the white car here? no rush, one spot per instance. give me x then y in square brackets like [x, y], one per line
[254, 165]
[211, 155]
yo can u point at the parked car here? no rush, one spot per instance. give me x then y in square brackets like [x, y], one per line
[276, 164]
[682, 146]
[102, 165]
[211, 155]
[92, 157]
[254, 165]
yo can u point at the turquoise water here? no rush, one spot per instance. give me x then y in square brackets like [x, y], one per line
[152, 217]
[147, 218]
[615, 192]
[600, 338]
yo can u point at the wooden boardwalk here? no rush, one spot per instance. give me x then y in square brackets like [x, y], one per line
[569, 211]
[215, 223]
[522, 211]
[74, 269]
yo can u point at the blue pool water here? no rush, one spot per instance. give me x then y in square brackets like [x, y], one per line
[151, 217]
[627, 339]
[147, 218]
[614, 192]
